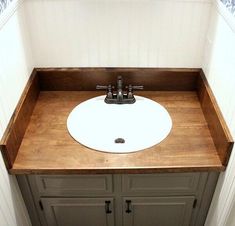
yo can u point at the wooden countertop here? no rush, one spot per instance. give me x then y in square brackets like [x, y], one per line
[47, 146]
[37, 141]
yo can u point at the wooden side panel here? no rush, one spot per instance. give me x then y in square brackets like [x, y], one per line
[14, 133]
[216, 123]
[86, 79]
[28, 199]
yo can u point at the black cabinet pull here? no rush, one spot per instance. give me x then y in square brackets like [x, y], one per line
[107, 204]
[128, 203]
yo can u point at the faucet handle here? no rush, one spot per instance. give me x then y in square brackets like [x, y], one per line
[138, 87]
[130, 90]
[101, 87]
[108, 88]
[131, 87]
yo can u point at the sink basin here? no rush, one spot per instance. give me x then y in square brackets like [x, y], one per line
[119, 128]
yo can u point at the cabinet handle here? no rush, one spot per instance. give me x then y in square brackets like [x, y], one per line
[107, 204]
[128, 204]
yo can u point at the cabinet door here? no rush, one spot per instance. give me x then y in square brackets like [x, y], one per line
[78, 211]
[157, 211]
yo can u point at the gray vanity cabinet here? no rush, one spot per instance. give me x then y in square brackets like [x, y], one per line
[78, 211]
[154, 211]
[161, 199]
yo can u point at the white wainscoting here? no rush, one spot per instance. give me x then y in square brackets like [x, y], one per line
[15, 67]
[118, 33]
[219, 66]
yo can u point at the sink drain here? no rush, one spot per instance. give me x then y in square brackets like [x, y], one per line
[119, 141]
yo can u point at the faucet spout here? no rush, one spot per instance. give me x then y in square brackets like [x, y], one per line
[119, 89]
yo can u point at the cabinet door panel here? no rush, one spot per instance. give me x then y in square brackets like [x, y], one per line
[78, 211]
[168, 183]
[157, 211]
[72, 184]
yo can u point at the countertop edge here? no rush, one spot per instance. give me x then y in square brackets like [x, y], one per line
[147, 170]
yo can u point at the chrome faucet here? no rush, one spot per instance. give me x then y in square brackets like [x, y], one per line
[119, 96]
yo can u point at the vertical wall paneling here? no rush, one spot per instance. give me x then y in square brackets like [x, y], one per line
[219, 68]
[15, 67]
[2, 114]
[119, 33]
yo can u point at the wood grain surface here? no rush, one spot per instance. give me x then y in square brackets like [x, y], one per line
[84, 79]
[37, 140]
[47, 146]
[219, 131]
[14, 133]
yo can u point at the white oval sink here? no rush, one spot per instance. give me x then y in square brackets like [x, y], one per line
[99, 126]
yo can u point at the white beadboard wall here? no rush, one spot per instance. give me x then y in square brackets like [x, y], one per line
[15, 67]
[219, 67]
[118, 33]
